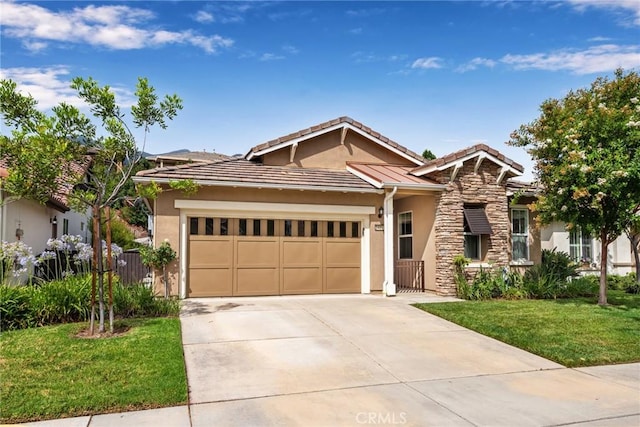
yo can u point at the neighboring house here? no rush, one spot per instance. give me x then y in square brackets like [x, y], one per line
[336, 208]
[180, 158]
[35, 223]
[583, 248]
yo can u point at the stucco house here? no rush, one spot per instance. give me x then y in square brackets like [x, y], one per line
[34, 223]
[337, 208]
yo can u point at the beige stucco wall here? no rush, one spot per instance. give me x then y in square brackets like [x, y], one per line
[325, 151]
[423, 208]
[167, 218]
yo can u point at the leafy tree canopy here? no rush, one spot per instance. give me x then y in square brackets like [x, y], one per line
[427, 154]
[586, 149]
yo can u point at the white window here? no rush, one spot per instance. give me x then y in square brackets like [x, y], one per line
[405, 235]
[519, 234]
[580, 246]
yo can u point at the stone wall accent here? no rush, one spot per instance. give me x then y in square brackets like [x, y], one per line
[470, 188]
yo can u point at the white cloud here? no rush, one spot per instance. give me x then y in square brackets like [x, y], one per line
[623, 6]
[366, 57]
[51, 86]
[365, 13]
[355, 31]
[475, 63]
[113, 27]
[599, 39]
[270, 57]
[203, 17]
[291, 50]
[427, 63]
[595, 59]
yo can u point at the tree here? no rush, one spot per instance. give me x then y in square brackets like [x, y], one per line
[42, 152]
[427, 154]
[586, 149]
[159, 258]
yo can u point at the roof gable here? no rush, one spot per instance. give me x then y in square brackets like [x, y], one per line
[343, 123]
[480, 152]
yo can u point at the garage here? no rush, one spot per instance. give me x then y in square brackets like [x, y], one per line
[250, 255]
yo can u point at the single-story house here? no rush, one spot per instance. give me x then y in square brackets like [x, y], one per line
[337, 208]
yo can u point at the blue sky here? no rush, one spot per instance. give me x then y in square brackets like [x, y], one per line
[437, 75]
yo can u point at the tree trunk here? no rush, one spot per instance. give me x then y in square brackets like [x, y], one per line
[166, 281]
[635, 248]
[604, 244]
[109, 268]
[100, 278]
[94, 267]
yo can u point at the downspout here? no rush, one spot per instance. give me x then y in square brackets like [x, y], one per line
[388, 287]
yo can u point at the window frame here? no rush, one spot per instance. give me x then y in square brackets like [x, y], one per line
[405, 236]
[466, 234]
[525, 234]
[584, 240]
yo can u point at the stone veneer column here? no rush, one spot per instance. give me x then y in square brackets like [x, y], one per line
[470, 188]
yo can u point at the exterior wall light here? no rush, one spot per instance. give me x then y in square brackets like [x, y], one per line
[380, 212]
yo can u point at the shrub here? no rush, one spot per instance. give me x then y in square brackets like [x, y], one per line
[631, 284]
[462, 284]
[548, 279]
[68, 300]
[62, 301]
[584, 286]
[15, 311]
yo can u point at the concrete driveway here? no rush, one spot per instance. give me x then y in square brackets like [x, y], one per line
[370, 360]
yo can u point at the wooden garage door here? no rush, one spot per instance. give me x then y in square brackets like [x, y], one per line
[252, 256]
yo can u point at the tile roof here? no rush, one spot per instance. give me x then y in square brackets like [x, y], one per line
[60, 200]
[193, 156]
[450, 158]
[252, 174]
[389, 174]
[334, 122]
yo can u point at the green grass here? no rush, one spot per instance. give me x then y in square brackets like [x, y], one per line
[573, 332]
[50, 373]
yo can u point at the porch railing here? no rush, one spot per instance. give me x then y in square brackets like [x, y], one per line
[409, 276]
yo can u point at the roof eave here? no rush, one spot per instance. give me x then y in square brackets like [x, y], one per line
[210, 183]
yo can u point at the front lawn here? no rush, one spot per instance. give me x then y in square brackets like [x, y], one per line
[49, 373]
[573, 332]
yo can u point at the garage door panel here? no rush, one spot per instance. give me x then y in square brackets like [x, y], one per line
[211, 253]
[302, 253]
[257, 253]
[210, 282]
[302, 280]
[342, 252]
[257, 281]
[342, 280]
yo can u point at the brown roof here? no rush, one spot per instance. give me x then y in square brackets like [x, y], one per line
[389, 174]
[334, 122]
[254, 174]
[193, 156]
[450, 158]
[60, 200]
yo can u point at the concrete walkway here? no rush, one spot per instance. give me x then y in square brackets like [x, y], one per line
[367, 360]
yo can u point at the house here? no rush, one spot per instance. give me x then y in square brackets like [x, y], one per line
[335, 208]
[35, 223]
[183, 157]
[583, 248]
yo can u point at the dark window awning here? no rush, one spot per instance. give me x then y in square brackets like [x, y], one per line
[476, 220]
